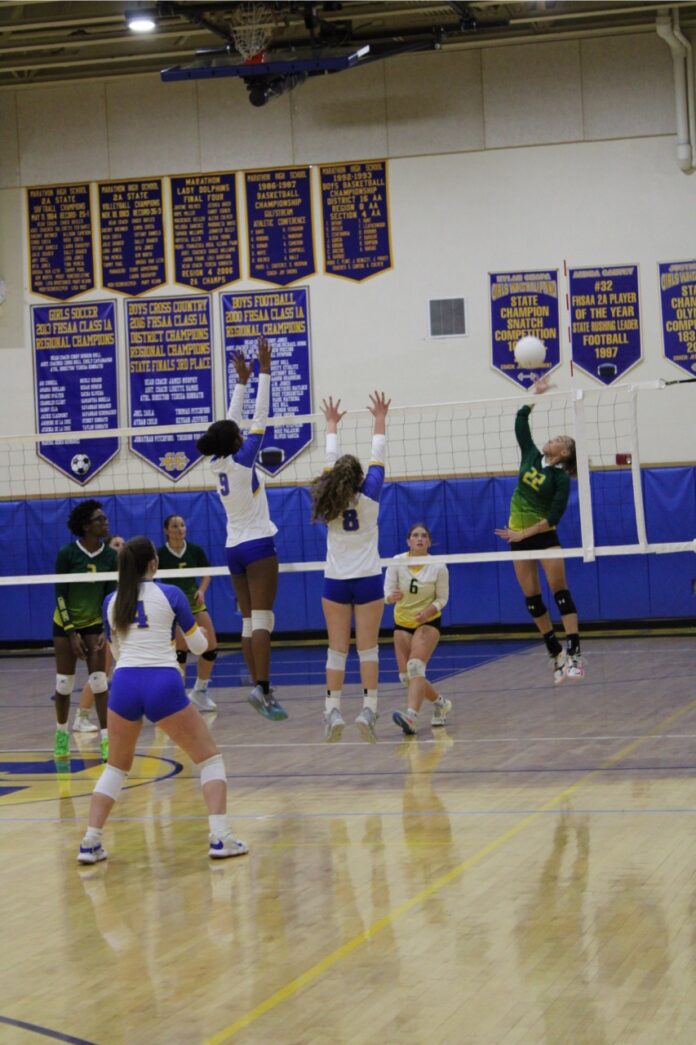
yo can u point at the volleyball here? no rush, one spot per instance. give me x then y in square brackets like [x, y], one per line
[530, 352]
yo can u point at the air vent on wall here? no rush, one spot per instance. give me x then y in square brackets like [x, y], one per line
[447, 317]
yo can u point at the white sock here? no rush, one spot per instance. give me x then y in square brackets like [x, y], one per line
[83, 712]
[63, 727]
[411, 713]
[104, 734]
[93, 834]
[201, 686]
[370, 699]
[217, 823]
[440, 700]
[333, 700]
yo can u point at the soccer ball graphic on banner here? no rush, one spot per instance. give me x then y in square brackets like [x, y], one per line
[80, 464]
[530, 352]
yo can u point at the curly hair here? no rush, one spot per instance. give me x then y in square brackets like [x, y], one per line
[335, 489]
[133, 561]
[79, 517]
[222, 439]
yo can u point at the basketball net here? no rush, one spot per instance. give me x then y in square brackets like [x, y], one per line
[251, 27]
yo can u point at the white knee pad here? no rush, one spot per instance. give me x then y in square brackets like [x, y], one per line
[416, 668]
[246, 627]
[262, 620]
[212, 769]
[403, 679]
[335, 661]
[369, 655]
[110, 782]
[97, 681]
[64, 684]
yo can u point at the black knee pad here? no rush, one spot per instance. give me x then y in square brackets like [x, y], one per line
[564, 601]
[181, 655]
[535, 605]
[210, 654]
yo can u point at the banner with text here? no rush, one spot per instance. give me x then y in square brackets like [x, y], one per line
[132, 235]
[279, 224]
[678, 298]
[61, 255]
[283, 318]
[170, 378]
[206, 237]
[524, 303]
[76, 384]
[605, 320]
[355, 210]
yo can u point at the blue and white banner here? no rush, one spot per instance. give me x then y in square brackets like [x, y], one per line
[206, 235]
[61, 256]
[76, 384]
[170, 378]
[281, 316]
[523, 304]
[279, 224]
[132, 235]
[605, 320]
[355, 209]
[678, 299]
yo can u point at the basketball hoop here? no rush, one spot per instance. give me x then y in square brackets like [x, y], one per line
[251, 26]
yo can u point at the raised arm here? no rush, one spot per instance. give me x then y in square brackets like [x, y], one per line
[333, 414]
[263, 392]
[237, 401]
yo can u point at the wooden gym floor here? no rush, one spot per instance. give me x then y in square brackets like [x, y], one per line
[526, 875]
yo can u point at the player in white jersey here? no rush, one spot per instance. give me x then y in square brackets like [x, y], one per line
[419, 591]
[347, 500]
[140, 619]
[251, 551]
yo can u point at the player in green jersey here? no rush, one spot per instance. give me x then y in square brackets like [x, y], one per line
[539, 501]
[78, 629]
[178, 553]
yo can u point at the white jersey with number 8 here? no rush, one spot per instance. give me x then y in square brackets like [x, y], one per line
[352, 542]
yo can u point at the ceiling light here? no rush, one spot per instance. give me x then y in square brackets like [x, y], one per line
[141, 21]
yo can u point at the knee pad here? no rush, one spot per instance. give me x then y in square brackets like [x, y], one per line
[210, 654]
[97, 681]
[181, 655]
[212, 769]
[110, 782]
[416, 668]
[64, 685]
[403, 679]
[246, 627]
[335, 660]
[535, 605]
[368, 656]
[262, 620]
[564, 601]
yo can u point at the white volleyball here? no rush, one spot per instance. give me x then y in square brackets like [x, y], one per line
[530, 352]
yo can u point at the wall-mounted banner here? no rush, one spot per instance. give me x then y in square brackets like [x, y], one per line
[678, 297]
[282, 316]
[132, 235]
[170, 378]
[524, 303]
[279, 224]
[206, 237]
[60, 240]
[605, 320]
[76, 373]
[355, 210]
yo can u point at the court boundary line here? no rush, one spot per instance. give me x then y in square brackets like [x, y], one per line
[46, 1032]
[323, 965]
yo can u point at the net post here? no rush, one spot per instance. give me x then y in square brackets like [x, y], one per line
[584, 488]
[636, 478]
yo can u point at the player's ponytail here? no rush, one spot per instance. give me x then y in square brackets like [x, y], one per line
[335, 490]
[570, 462]
[222, 439]
[133, 560]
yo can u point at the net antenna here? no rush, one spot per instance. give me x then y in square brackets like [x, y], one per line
[252, 25]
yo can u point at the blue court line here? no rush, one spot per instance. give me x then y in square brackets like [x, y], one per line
[35, 1029]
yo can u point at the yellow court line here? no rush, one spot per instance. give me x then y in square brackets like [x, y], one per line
[336, 956]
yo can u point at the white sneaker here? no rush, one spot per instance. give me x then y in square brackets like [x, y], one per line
[221, 848]
[560, 668]
[333, 726]
[91, 853]
[82, 724]
[405, 721]
[576, 667]
[441, 709]
[365, 722]
[202, 700]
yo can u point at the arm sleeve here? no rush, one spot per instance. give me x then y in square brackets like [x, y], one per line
[331, 449]
[247, 455]
[262, 406]
[195, 639]
[237, 404]
[560, 499]
[391, 580]
[523, 432]
[62, 594]
[442, 588]
[374, 480]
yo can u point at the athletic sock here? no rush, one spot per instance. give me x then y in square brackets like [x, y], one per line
[552, 644]
[93, 834]
[265, 687]
[412, 713]
[217, 824]
[573, 645]
[332, 701]
[200, 686]
[370, 699]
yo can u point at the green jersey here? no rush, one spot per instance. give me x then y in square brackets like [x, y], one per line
[80, 605]
[191, 556]
[542, 491]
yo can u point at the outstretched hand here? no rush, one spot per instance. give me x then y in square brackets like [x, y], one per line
[242, 367]
[265, 352]
[332, 411]
[542, 384]
[511, 536]
[379, 404]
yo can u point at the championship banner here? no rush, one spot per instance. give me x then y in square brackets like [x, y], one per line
[282, 316]
[355, 214]
[524, 303]
[678, 298]
[76, 384]
[170, 378]
[605, 321]
[61, 256]
[206, 235]
[279, 224]
[132, 235]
